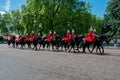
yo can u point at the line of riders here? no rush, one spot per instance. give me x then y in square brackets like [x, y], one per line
[69, 42]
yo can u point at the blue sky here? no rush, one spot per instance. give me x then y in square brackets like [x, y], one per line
[98, 6]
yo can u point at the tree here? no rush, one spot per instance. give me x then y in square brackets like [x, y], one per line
[5, 23]
[58, 15]
[112, 19]
[16, 18]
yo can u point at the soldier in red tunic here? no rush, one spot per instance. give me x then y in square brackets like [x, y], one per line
[73, 34]
[32, 36]
[49, 37]
[26, 38]
[10, 37]
[39, 37]
[54, 35]
[19, 38]
[68, 37]
[91, 36]
[94, 35]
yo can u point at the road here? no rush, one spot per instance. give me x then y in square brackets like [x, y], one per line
[16, 64]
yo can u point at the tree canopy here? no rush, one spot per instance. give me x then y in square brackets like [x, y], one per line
[55, 15]
[112, 19]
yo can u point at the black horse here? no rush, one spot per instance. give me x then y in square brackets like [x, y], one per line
[65, 45]
[76, 43]
[98, 44]
[56, 42]
[11, 41]
[21, 43]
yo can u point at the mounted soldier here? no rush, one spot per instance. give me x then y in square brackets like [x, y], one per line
[10, 37]
[19, 38]
[73, 33]
[68, 37]
[91, 35]
[91, 38]
[39, 37]
[54, 35]
[32, 36]
[49, 37]
[26, 38]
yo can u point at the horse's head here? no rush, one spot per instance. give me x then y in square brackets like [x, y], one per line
[102, 38]
[57, 38]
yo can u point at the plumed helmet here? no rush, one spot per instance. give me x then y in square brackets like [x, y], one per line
[73, 31]
[50, 32]
[68, 31]
[54, 32]
[26, 33]
[94, 30]
[32, 31]
[38, 33]
[91, 29]
[20, 33]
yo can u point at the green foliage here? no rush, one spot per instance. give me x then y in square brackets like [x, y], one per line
[112, 19]
[55, 15]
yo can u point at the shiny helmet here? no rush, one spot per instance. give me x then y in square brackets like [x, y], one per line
[68, 31]
[91, 29]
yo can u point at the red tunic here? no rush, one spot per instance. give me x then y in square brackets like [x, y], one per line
[26, 39]
[19, 39]
[91, 37]
[73, 35]
[54, 35]
[10, 37]
[67, 38]
[39, 38]
[32, 36]
[49, 38]
[94, 37]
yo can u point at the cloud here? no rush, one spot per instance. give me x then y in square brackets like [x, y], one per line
[7, 6]
[1, 12]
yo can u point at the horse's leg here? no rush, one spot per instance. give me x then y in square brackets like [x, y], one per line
[39, 45]
[78, 47]
[70, 48]
[62, 46]
[100, 49]
[53, 45]
[84, 47]
[93, 47]
[88, 46]
[58, 46]
[48, 46]
[16, 44]
[13, 45]
[36, 46]
[65, 46]
[73, 47]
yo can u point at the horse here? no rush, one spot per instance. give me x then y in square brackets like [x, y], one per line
[21, 42]
[97, 43]
[76, 43]
[65, 44]
[34, 41]
[11, 41]
[56, 42]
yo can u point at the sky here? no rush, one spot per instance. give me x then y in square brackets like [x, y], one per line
[98, 6]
